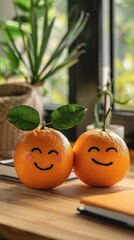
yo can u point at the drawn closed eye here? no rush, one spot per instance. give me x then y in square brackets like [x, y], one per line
[111, 148]
[93, 148]
[53, 151]
[36, 149]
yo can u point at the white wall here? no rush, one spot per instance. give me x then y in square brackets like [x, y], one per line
[6, 9]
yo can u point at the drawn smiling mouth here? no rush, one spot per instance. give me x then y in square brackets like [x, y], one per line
[43, 169]
[100, 163]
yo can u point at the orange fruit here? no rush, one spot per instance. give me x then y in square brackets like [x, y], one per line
[43, 158]
[101, 158]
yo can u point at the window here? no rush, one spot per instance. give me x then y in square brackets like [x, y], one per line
[115, 58]
[56, 89]
[121, 54]
[83, 77]
[123, 62]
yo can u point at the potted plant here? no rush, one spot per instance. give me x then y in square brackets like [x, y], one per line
[105, 100]
[26, 50]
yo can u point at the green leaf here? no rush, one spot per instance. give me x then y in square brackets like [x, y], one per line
[71, 59]
[30, 52]
[67, 116]
[13, 28]
[47, 29]
[34, 28]
[68, 38]
[122, 102]
[15, 47]
[23, 18]
[24, 117]
[4, 65]
[10, 54]
[22, 5]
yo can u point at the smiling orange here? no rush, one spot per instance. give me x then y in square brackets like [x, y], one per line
[43, 158]
[101, 158]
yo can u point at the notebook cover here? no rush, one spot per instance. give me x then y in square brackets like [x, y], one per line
[122, 202]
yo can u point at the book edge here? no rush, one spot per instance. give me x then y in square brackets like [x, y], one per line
[118, 216]
[8, 171]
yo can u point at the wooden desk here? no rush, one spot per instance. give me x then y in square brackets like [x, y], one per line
[27, 214]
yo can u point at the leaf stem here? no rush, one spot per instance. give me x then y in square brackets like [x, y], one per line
[42, 125]
[104, 124]
[48, 123]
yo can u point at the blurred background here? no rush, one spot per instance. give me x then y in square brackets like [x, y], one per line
[108, 54]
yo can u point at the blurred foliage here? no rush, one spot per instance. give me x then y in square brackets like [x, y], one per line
[35, 44]
[124, 54]
[105, 100]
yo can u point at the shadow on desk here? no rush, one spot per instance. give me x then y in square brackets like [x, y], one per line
[17, 193]
[77, 189]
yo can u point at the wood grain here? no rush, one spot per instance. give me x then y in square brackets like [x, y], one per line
[39, 214]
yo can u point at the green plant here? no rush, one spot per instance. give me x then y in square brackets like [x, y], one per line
[27, 118]
[28, 58]
[105, 100]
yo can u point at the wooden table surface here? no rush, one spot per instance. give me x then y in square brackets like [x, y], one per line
[28, 214]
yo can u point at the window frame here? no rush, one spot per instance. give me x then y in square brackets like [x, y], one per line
[84, 76]
[79, 75]
[120, 116]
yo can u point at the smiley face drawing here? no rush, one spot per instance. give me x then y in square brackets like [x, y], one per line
[43, 159]
[101, 158]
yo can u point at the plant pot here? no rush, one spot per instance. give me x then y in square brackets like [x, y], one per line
[118, 129]
[12, 95]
